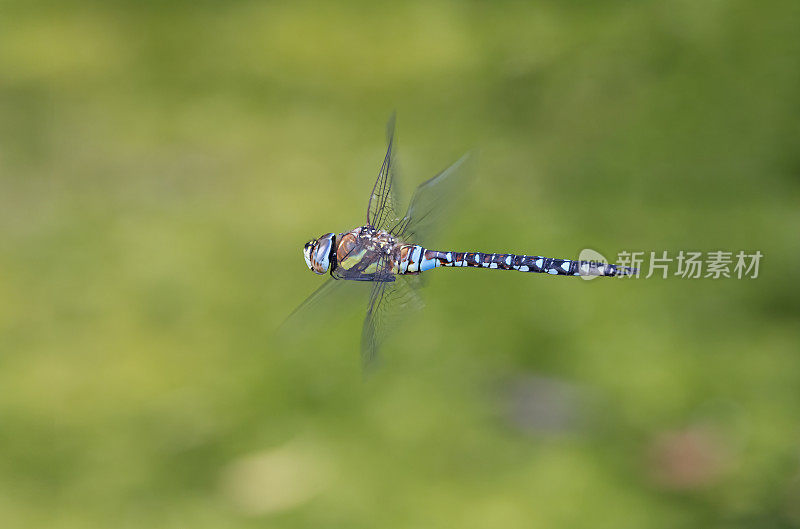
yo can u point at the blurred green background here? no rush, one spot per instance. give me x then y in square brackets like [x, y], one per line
[162, 164]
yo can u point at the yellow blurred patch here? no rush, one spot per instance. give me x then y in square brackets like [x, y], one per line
[275, 480]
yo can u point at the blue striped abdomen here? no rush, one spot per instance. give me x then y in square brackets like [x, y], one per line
[415, 259]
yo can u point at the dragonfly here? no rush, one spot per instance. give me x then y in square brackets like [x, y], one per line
[386, 253]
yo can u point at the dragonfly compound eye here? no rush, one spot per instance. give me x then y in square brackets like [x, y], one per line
[318, 253]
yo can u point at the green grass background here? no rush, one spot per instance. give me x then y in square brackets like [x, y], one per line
[162, 164]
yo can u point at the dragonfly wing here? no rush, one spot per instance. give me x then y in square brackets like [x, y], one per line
[354, 275]
[389, 304]
[325, 291]
[326, 300]
[430, 202]
[383, 204]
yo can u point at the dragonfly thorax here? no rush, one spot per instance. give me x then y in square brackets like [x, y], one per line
[320, 253]
[380, 240]
[365, 253]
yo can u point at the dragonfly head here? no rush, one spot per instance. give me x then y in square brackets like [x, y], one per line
[319, 253]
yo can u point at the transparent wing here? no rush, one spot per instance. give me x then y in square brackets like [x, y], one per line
[325, 301]
[355, 275]
[326, 290]
[431, 200]
[383, 204]
[389, 304]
